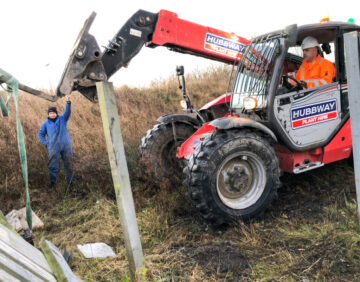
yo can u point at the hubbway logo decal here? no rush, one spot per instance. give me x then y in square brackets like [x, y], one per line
[224, 46]
[313, 114]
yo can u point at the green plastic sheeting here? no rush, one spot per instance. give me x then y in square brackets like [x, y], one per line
[13, 90]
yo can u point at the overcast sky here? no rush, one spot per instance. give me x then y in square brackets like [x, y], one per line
[37, 36]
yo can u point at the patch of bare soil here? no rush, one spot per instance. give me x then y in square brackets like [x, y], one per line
[222, 258]
[303, 197]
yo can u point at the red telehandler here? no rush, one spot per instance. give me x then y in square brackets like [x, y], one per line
[273, 124]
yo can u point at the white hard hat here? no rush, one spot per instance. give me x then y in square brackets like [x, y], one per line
[309, 42]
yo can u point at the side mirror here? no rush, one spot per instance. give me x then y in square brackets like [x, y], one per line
[179, 70]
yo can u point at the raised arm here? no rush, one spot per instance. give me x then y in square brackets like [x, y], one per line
[67, 111]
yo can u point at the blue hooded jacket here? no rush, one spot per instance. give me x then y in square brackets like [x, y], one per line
[58, 138]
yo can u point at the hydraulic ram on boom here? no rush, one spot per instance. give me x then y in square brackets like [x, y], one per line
[88, 64]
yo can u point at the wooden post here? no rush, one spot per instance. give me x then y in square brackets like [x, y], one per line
[120, 174]
[351, 41]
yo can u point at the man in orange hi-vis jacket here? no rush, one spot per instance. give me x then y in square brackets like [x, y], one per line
[314, 70]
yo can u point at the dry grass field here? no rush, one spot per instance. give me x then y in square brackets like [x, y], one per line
[310, 233]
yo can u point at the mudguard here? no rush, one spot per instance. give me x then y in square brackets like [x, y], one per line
[179, 118]
[237, 122]
[187, 148]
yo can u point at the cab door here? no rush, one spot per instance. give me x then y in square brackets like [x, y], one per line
[309, 117]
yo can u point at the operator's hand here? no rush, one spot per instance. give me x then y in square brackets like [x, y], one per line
[293, 74]
[304, 84]
[68, 98]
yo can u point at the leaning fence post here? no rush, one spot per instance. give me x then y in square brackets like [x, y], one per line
[351, 41]
[120, 174]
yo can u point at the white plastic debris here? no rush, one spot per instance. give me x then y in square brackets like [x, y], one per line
[36, 221]
[13, 219]
[96, 250]
[17, 219]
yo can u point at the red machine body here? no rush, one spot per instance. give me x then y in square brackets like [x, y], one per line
[339, 148]
[187, 148]
[225, 98]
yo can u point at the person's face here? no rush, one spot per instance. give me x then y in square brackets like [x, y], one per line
[52, 115]
[310, 54]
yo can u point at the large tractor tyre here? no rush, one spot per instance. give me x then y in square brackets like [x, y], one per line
[232, 175]
[158, 152]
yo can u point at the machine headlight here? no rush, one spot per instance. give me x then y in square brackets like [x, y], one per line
[183, 104]
[250, 103]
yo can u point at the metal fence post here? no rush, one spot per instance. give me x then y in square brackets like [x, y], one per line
[351, 41]
[120, 174]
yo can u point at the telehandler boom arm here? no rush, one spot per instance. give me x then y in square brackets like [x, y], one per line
[88, 64]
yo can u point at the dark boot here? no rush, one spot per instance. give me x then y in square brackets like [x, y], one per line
[52, 186]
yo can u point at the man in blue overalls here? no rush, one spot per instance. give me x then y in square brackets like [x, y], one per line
[58, 142]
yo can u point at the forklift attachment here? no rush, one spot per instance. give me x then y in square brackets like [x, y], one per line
[84, 67]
